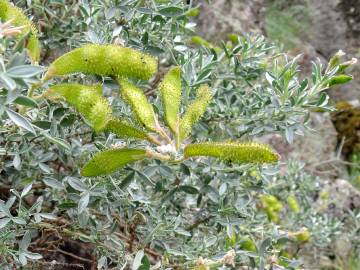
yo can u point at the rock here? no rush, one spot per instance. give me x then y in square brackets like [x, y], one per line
[222, 17]
[347, 123]
[341, 197]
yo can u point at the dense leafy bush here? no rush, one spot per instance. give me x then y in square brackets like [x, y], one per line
[171, 211]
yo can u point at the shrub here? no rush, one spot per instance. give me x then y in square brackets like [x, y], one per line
[69, 143]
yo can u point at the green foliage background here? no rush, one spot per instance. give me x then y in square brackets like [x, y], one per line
[155, 214]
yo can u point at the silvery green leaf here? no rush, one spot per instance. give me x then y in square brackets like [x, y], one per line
[171, 11]
[137, 261]
[33, 256]
[17, 162]
[48, 216]
[22, 259]
[222, 189]
[18, 220]
[180, 48]
[289, 134]
[26, 101]
[269, 78]
[60, 142]
[76, 184]
[26, 190]
[7, 82]
[25, 242]
[45, 168]
[4, 222]
[51, 182]
[17, 59]
[210, 241]
[23, 72]
[183, 232]
[110, 13]
[102, 262]
[5, 209]
[2, 65]
[83, 202]
[20, 121]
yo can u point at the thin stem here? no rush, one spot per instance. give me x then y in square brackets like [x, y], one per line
[152, 154]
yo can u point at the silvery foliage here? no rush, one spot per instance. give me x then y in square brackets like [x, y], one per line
[182, 212]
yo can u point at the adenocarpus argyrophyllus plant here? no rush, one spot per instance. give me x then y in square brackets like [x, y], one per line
[124, 63]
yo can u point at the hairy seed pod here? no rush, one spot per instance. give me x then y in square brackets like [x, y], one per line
[70, 91]
[293, 204]
[10, 12]
[194, 112]
[249, 152]
[87, 100]
[247, 244]
[272, 206]
[139, 104]
[302, 236]
[109, 161]
[170, 91]
[124, 129]
[104, 60]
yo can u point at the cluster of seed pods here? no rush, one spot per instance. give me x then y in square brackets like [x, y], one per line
[124, 64]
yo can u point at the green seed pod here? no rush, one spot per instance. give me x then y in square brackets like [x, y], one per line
[234, 38]
[302, 236]
[293, 204]
[104, 60]
[247, 244]
[232, 151]
[170, 91]
[340, 79]
[100, 114]
[194, 112]
[124, 129]
[194, 12]
[10, 12]
[109, 161]
[202, 42]
[87, 100]
[271, 206]
[70, 92]
[140, 106]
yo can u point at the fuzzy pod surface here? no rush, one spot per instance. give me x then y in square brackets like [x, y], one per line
[108, 161]
[139, 104]
[104, 60]
[293, 203]
[194, 112]
[232, 151]
[10, 12]
[170, 91]
[124, 129]
[87, 100]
